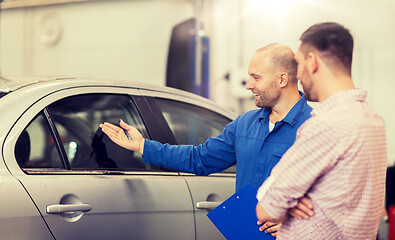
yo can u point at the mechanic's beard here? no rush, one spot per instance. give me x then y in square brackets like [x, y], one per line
[264, 101]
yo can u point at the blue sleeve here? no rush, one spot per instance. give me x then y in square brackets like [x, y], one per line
[215, 155]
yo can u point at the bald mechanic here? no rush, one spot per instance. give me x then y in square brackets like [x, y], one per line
[255, 140]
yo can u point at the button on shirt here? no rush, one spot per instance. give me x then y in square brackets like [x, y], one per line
[339, 162]
[246, 141]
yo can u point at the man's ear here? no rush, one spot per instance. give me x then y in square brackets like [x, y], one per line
[312, 62]
[284, 79]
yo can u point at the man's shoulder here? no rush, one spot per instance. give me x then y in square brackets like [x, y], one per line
[301, 111]
[252, 114]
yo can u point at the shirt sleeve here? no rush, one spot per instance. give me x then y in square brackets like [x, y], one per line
[215, 155]
[313, 153]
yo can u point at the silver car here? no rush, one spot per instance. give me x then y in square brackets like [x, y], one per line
[62, 178]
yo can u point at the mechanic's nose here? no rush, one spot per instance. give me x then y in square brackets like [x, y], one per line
[249, 84]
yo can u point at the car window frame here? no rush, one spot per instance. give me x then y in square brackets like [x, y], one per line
[188, 107]
[152, 117]
[62, 152]
[151, 97]
[37, 107]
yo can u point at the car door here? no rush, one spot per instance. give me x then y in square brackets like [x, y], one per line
[194, 124]
[20, 218]
[85, 186]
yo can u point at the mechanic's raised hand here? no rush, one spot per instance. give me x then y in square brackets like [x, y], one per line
[118, 136]
[269, 227]
[303, 210]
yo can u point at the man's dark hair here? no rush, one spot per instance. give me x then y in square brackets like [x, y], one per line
[333, 40]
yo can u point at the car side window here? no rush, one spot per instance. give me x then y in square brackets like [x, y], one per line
[36, 148]
[190, 124]
[77, 120]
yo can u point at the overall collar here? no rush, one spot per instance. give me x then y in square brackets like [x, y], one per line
[293, 115]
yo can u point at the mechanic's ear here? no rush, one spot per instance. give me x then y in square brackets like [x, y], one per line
[284, 79]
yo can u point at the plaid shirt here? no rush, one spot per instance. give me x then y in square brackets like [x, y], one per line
[338, 161]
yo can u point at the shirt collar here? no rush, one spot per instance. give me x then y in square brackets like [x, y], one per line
[338, 98]
[293, 115]
[264, 115]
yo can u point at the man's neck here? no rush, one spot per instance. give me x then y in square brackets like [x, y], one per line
[339, 84]
[282, 108]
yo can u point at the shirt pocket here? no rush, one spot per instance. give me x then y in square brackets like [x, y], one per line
[279, 151]
[277, 154]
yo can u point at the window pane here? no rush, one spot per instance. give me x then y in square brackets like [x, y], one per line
[77, 120]
[192, 125]
[36, 148]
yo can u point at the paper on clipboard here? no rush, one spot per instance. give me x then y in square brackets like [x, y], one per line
[236, 219]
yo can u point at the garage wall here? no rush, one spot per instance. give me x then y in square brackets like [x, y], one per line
[125, 40]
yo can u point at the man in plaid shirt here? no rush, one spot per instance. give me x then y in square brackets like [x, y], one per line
[338, 160]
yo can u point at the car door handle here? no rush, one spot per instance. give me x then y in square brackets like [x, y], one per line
[207, 205]
[63, 208]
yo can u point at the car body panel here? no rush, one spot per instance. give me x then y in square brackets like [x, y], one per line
[120, 205]
[19, 217]
[138, 205]
[203, 190]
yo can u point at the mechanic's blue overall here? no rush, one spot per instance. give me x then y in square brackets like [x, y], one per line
[246, 141]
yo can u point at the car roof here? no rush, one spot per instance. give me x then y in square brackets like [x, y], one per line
[13, 83]
[10, 84]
